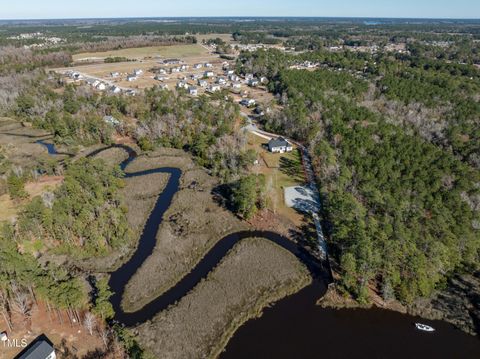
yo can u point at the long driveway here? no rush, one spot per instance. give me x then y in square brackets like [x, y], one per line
[252, 127]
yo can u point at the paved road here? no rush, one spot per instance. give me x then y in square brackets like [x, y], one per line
[311, 182]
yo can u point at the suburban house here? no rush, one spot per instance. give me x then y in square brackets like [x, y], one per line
[236, 85]
[221, 81]
[263, 80]
[182, 85]
[249, 77]
[214, 88]
[197, 66]
[279, 145]
[248, 102]
[202, 83]
[162, 72]
[115, 89]
[175, 69]
[131, 93]
[41, 349]
[234, 78]
[160, 78]
[137, 72]
[114, 74]
[184, 68]
[253, 82]
[209, 65]
[101, 86]
[192, 90]
[209, 74]
[229, 72]
[131, 78]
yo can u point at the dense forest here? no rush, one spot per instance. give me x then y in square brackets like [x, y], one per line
[401, 202]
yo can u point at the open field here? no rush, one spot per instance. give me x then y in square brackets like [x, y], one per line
[9, 208]
[225, 37]
[280, 171]
[139, 53]
[147, 59]
[254, 273]
[192, 225]
[17, 143]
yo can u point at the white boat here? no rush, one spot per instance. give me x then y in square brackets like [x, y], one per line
[424, 327]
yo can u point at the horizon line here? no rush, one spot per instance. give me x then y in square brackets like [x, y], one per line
[240, 17]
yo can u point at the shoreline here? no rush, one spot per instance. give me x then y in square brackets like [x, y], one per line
[424, 307]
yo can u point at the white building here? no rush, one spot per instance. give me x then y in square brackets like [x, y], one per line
[131, 78]
[197, 66]
[137, 72]
[115, 89]
[202, 83]
[114, 74]
[192, 90]
[214, 88]
[279, 145]
[208, 74]
[248, 102]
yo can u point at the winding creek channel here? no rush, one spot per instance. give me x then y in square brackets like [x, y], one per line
[295, 327]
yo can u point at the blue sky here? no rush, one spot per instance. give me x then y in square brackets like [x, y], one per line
[46, 9]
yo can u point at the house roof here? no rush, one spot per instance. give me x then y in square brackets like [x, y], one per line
[278, 142]
[39, 350]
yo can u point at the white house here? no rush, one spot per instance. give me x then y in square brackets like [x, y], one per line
[197, 66]
[162, 72]
[175, 70]
[214, 88]
[208, 65]
[263, 80]
[184, 68]
[160, 78]
[221, 81]
[131, 78]
[114, 74]
[234, 78]
[208, 74]
[115, 89]
[229, 72]
[182, 85]
[202, 83]
[279, 145]
[248, 102]
[236, 85]
[131, 93]
[253, 82]
[249, 77]
[192, 90]
[41, 349]
[101, 86]
[137, 72]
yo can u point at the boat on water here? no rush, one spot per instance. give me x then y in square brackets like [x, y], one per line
[424, 327]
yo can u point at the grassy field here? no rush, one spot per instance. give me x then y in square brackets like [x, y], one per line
[192, 225]
[254, 274]
[142, 52]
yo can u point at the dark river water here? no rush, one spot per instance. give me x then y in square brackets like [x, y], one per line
[294, 327]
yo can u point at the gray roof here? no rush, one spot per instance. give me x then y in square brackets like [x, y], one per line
[278, 142]
[39, 350]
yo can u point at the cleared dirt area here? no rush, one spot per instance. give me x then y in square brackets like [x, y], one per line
[71, 340]
[192, 225]
[254, 274]
[142, 52]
